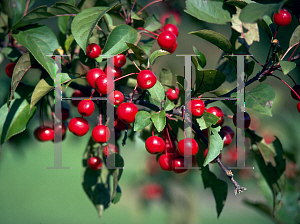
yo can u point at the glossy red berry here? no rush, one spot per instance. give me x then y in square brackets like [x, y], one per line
[165, 161]
[77, 93]
[226, 138]
[9, 69]
[196, 107]
[166, 40]
[283, 18]
[100, 134]
[172, 28]
[65, 114]
[217, 112]
[172, 94]
[126, 112]
[109, 149]
[86, 107]
[298, 107]
[173, 49]
[93, 51]
[60, 129]
[246, 119]
[146, 79]
[170, 146]
[113, 72]
[79, 126]
[44, 133]
[214, 161]
[296, 88]
[155, 145]
[178, 165]
[120, 125]
[92, 75]
[119, 60]
[188, 147]
[104, 84]
[228, 130]
[116, 97]
[95, 163]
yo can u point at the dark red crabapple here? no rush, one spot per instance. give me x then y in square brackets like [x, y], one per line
[92, 75]
[109, 149]
[226, 137]
[120, 125]
[227, 129]
[146, 79]
[93, 50]
[172, 28]
[155, 145]
[113, 72]
[173, 49]
[100, 134]
[165, 161]
[95, 163]
[296, 88]
[9, 69]
[217, 112]
[151, 191]
[188, 147]
[126, 112]
[60, 128]
[116, 97]
[79, 126]
[170, 147]
[172, 94]
[298, 107]
[196, 107]
[283, 18]
[77, 93]
[44, 133]
[246, 119]
[119, 60]
[86, 107]
[102, 84]
[65, 114]
[166, 40]
[178, 164]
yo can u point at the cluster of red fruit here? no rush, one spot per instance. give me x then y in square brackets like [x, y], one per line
[167, 39]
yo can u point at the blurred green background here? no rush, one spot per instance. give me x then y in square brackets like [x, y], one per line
[29, 193]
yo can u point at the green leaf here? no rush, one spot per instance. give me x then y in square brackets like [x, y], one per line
[84, 23]
[169, 105]
[208, 80]
[69, 42]
[260, 99]
[14, 120]
[40, 41]
[200, 57]
[166, 77]
[109, 21]
[11, 53]
[147, 45]
[157, 92]
[41, 89]
[215, 145]
[237, 3]
[272, 164]
[267, 24]
[295, 38]
[116, 42]
[159, 120]
[135, 16]
[249, 67]
[22, 66]
[44, 12]
[152, 23]
[118, 195]
[209, 11]
[215, 38]
[255, 11]
[287, 66]
[157, 54]
[142, 120]
[139, 53]
[207, 120]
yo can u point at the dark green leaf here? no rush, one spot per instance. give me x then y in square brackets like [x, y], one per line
[11, 53]
[215, 38]
[159, 120]
[215, 145]
[209, 11]
[14, 120]
[208, 80]
[207, 120]
[152, 23]
[63, 22]
[139, 53]
[118, 195]
[69, 42]
[249, 67]
[200, 57]
[40, 41]
[166, 77]
[237, 3]
[295, 38]
[231, 105]
[109, 21]
[147, 45]
[267, 24]
[260, 99]
[40, 13]
[228, 68]
[287, 66]
[157, 92]
[41, 89]
[169, 105]
[116, 42]
[135, 16]
[157, 54]
[22, 66]
[255, 11]
[142, 120]
[84, 23]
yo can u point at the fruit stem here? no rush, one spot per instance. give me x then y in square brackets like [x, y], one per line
[286, 85]
[276, 32]
[149, 35]
[124, 76]
[141, 28]
[92, 94]
[293, 52]
[133, 93]
[169, 140]
[100, 111]
[149, 5]
[129, 16]
[289, 50]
